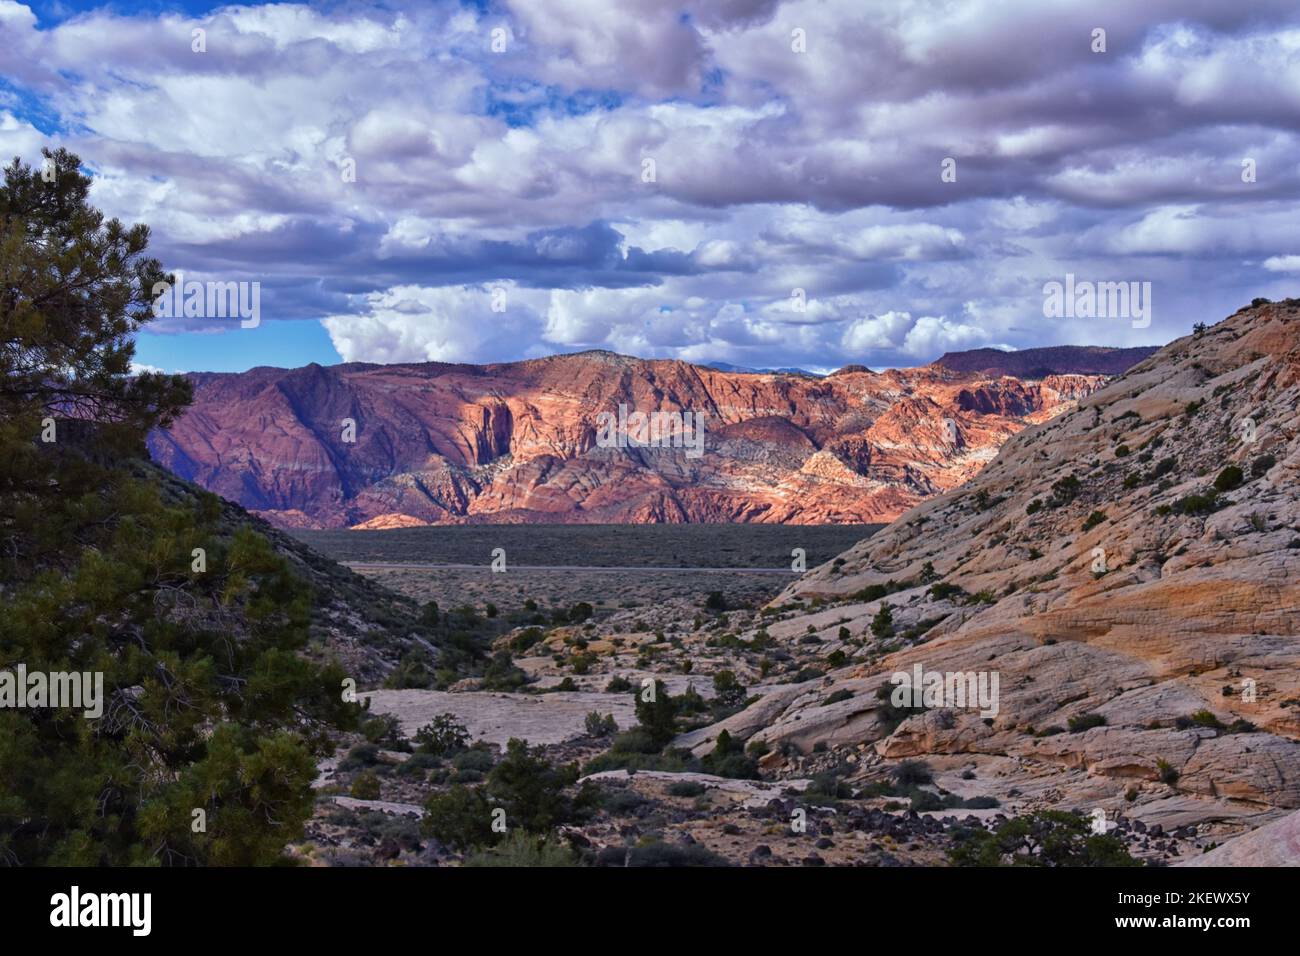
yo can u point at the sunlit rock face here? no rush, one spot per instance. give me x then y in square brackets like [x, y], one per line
[400, 445]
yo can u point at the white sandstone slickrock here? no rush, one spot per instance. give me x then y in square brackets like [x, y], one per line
[1124, 597]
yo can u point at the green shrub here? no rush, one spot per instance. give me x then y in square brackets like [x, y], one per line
[417, 764]
[686, 788]
[525, 639]
[502, 674]
[415, 670]
[365, 786]
[1196, 504]
[872, 592]
[459, 817]
[826, 788]
[638, 740]
[890, 715]
[1086, 722]
[478, 759]
[658, 715]
[728, 759]
[1047, 838]
[942, 590]
[362, 755]
[1094, 519]
[620, 801]
[384, 730]
[1064, 490]
[442, 737]
[671, 760]
[913, 773]
[598, 725]
[658, 854]
[1228, 479]
[429, 614]
[882, 625]
[729, 692]
[532, 791]
[1202, 718]
[522, 849]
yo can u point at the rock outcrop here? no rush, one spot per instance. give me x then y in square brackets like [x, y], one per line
[1035, 363]
[401, 445]
[1130, 573]
[1274, 844]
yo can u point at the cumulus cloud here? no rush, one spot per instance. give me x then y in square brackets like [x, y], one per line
[18, 138]
[878, 333]
[1282, 263]
[662, 178]
[439, 324]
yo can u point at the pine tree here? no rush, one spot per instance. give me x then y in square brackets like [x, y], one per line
[205, 750]
[658, 714]
[882, 625]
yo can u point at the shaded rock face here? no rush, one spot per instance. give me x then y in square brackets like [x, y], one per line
[1130, 570]
[1036, 363]
[355, 622]
[1275, 844]
[520, 442]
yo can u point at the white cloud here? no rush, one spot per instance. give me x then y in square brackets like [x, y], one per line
[444, 324]
[1282, 263]
[931, 336]
[593, 43]
[877, 332]
[18, 138]
[775, 169]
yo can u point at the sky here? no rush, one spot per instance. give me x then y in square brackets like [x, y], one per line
[767, 183]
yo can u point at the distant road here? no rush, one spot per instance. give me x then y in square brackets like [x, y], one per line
[401, 566]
